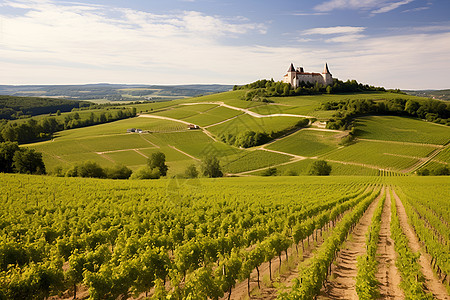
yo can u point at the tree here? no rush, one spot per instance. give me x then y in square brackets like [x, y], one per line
[270, 172]
[118, 172]
[320, 168]
[7, 150]
[191, 172]
[158, 160]
[211, 167]
[146, 173]
[90, 169]
[28, 161]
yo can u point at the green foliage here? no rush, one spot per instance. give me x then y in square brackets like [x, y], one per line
[191, 171]
[270, 172]
[211, 167]
[431, 110]
[158, 161]
[407, 261]
[94, 170]
[320, 168]
[86, 169]
[251, 138]
[32, 130]
[366, 283]
[259, 90]
[20, 160]
[7, 151]
[146, 173]
[118, 172]
[13, 107]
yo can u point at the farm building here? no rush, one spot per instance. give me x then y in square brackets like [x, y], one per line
[129, 130]
[192, 126]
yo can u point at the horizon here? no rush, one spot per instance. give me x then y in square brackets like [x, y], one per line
[389, 43]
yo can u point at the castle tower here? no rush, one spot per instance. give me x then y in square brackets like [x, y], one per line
[292, 76]
[327, 77]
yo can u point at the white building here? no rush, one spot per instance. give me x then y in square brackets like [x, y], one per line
[295, 77]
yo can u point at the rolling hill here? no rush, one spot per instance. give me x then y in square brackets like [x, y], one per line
[383, 145]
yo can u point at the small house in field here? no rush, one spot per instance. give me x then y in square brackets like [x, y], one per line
[192, 126]
[130, 130]
[139, 130]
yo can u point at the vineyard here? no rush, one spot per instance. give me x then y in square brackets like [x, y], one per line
[240, 238]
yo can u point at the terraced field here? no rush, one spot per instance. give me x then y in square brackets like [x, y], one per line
[381, 154]
[389, 128]
[249, 123]
[307, 143]
[386, 143]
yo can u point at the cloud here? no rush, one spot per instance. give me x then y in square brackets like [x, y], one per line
[390, 6]
[346, 4]
[374, 6]
[309, 14]
[334, 30]
[417, 9]
[75, 43]
[345, 38]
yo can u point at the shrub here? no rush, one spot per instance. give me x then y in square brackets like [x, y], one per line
[320, 168]
[191, 172]
[270, 172]
[146, 173]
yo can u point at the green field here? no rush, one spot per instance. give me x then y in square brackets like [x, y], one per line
[184, 111]
[381, 154]
[213, 116]
[248, 123]
[252, 160]
[307, 143]
[391, 128]
[337, 169]
[401, 141]
[108, 144]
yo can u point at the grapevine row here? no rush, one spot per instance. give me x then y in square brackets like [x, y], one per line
[366, 283]
[311, 278]
[407, 261]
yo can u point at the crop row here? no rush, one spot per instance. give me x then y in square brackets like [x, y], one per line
[127, 237]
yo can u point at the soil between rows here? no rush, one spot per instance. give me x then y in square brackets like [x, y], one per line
[342, 282]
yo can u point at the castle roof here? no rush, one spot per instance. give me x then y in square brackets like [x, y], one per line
[291, 68]
[325, 69]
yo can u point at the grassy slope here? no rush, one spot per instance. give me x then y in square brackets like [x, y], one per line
[390, 128]
[307, 143]
[80, 144]
[246, 123]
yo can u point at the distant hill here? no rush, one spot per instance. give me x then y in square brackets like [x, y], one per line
[114, 92]
[13, 107]
[435, 94]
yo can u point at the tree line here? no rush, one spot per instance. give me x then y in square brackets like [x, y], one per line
[262, 89]
[431, 110]
[250, 138]
[13, 107]
[33, 130]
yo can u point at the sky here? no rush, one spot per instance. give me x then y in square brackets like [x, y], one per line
[392, 43]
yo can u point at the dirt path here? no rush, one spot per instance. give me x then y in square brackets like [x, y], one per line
[249, 112]
[431, 281]
[344, 270]
[387, 274]
[163, 118]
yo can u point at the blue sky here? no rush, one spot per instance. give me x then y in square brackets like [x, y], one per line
[393, 43]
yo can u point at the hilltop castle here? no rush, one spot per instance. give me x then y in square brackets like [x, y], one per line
[295, 77]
